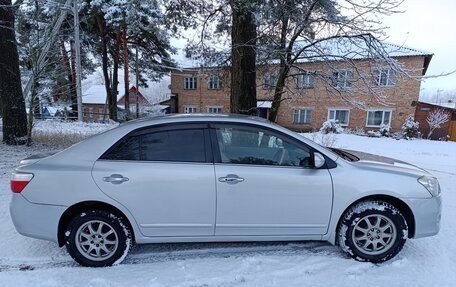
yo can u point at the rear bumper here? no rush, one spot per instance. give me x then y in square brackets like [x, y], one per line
[428, 214]
[35, 220]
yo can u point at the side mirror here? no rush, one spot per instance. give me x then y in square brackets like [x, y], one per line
[319, 160]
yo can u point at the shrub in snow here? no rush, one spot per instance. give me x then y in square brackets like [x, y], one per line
[435, 119]
[331, 126]
[384, 130]
[410, 128]
[327, 140]
[373, 134]
[356, 131]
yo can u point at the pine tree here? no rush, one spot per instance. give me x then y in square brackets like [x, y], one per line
[243, 57]
[12, 101]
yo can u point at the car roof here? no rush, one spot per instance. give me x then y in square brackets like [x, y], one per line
[197, 117]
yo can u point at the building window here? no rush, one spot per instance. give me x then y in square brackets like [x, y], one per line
[342, 79]
[214, 82]
[302, 116]
[90, 112]
[384, 77]
[101, 114]
[190, 109]
[214, 110]
[378, 118]
[270, 80]
[339, 116]
[305, 81]
[190, 83]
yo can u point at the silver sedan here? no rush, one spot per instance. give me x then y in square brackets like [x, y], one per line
[209, 178]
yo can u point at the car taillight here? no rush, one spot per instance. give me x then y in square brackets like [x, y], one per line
[19, 181]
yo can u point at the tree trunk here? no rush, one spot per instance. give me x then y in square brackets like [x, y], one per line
[104, 60]
[243, 57]
[71, 79]
[126, 79]
[284, 69]
[73, 93]
[12, 101]
[278, 91]
[115, 75]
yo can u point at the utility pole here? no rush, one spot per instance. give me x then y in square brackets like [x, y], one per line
[137, 83]
[78, 58]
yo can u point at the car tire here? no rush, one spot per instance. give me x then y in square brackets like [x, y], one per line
[373, 231]
[98, 238]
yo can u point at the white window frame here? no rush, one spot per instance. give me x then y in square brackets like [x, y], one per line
[90, 112]
[214, 82]
[215, 109]
[299, 111]
[190, 83]
[387, 74]
[190, 109]
[341, 79]
[270, 80]
[383, 117]
[335, 110]
[305, 81]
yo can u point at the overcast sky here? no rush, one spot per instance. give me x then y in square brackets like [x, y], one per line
[429, 26]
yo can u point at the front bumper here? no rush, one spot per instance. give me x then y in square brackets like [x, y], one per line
[35, 220]
[428, 214]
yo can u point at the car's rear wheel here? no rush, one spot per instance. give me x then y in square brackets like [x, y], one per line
[373, 231]
[98, 238]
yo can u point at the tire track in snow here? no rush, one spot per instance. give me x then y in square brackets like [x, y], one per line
[153, 253]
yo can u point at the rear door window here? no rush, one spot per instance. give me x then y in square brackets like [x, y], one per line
[187, 145]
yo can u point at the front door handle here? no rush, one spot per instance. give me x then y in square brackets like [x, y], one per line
[115, 179]
[231, 179]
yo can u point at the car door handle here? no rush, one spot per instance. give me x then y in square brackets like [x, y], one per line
[231, 179]
[115, 179]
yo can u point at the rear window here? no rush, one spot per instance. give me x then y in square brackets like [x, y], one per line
[174, 145]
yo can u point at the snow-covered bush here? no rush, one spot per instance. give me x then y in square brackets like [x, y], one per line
[384, 130]
[331, 126]
[327, 140]
[373, 134]
[410, 128]
[356, 131]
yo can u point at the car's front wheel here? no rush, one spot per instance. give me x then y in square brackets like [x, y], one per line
[98, 238]
[373, 231]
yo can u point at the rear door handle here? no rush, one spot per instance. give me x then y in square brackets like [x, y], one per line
[231, 179]
[115, 179]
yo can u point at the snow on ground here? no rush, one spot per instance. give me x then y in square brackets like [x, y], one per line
[423, 262]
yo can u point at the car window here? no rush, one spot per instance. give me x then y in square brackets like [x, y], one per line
[259, 147]
[174, 145]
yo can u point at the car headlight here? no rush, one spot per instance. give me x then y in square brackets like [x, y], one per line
[431, 184]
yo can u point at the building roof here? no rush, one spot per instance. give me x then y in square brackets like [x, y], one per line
[342, 48]
[365, 47]
[52, 110]
[451, 106]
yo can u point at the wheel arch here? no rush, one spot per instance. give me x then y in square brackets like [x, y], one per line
[73, 210]
[396, 202]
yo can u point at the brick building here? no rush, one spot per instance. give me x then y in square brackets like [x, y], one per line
[345, 91]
